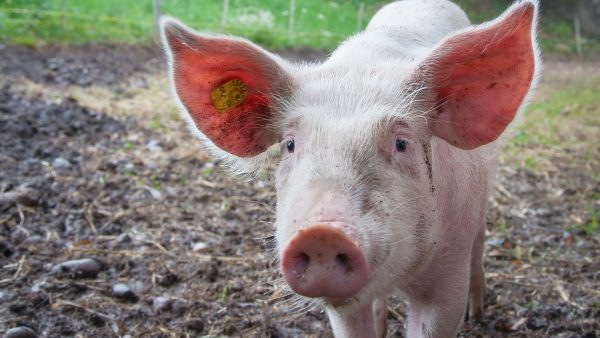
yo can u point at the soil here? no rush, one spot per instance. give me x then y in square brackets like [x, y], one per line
[178, 248]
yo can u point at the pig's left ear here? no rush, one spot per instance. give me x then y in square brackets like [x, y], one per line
[229, 87]
[480, 77]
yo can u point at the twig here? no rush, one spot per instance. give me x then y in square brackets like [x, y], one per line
[205, 183]
[89, 217]
[529, 285]
[128, 253]
[160, 247]
[17, 273]
[230, 258]
[81, 307]
[88, 286]
[21, 215]
[114, 325]
[565, 296]
[116, 217]
[395, 313]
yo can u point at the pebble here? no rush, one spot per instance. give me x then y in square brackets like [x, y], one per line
[39, 286]
[123, 238]
[154, 146]
[79, 268]
[21, 195]
[61, 163]
[122, 291]
[18, 236]
[236, 287]
[199, 246]
[161, 304]
[129, 167]
[537, 323]
[20, 332]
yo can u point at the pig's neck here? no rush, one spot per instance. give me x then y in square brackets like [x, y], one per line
[462, 180]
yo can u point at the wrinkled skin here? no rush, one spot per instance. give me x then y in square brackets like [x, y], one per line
[387, 153]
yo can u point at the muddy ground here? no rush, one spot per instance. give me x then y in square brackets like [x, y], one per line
[96, 165]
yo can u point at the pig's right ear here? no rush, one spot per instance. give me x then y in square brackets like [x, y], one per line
[229, 87]
[479, 78]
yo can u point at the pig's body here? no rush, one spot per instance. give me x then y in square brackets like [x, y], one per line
[461, 178]
[409, 28]
[388, 152]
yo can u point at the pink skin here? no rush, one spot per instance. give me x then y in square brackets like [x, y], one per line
[360, 214]
[322, 261]
[368, 321]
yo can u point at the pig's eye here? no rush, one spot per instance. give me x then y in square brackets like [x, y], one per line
[401, 145]
[290, 146]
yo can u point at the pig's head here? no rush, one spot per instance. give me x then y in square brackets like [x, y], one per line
[354, 181]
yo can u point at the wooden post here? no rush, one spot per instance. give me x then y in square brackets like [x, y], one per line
[578, 36]
[225, 14]
[156, 10]
[63, 10]
[291, 23]
[361, 13]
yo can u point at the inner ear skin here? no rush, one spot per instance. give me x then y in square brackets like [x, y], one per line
[481, 79]
[239, 129]
[203, 63]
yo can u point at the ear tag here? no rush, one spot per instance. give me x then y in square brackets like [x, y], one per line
[229, 95]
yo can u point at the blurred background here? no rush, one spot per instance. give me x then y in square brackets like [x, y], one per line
[567, 26]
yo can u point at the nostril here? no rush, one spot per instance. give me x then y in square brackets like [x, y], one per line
[343, 263]
[302, 263]
[322, 261]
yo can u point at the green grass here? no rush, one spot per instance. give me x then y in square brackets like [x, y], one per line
[317, 23]
[320, 24]
[590, 228]
[546, 121]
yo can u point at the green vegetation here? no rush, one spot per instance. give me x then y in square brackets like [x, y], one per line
[155, 124]
[317, 23]
[224, 294]
[590, 228]
[206, 171]
[320, 24]
[503, 228]
[548, 120]
[128, 146]
[558, 36]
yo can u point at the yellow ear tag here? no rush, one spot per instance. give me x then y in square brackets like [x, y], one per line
[229, 95]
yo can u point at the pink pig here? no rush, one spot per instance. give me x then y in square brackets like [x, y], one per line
[387, 152]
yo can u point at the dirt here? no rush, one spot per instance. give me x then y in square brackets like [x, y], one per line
[191, 247]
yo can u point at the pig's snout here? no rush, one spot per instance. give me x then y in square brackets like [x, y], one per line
[322, 261]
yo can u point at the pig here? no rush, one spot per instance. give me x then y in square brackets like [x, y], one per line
[386, 152]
